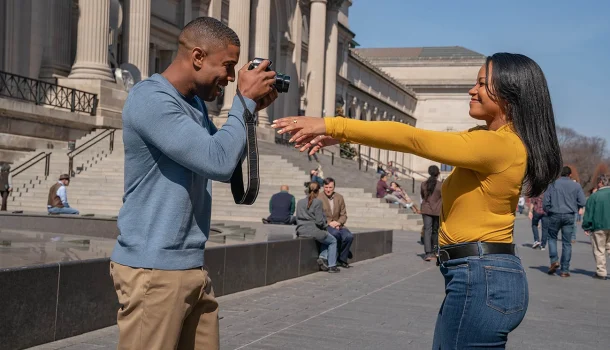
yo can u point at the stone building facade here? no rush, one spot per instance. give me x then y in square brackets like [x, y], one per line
[83, 43]
[441, 78]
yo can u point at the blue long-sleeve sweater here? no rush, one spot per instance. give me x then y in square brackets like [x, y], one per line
[172, 152]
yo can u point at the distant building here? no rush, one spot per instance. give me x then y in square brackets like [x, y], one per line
[441, 77]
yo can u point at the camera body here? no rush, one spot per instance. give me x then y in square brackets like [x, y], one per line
[282, 81]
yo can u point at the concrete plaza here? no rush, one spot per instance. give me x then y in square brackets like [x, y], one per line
[391, 303]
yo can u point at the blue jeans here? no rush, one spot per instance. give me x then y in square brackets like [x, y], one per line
[536, 218]
[486, 297]
[329, 249]
[344, 241]
[565, 223]
[64, 210]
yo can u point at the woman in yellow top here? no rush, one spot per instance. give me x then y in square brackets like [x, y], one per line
[486, 293]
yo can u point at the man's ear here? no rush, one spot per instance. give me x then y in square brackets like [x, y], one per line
[198, 55]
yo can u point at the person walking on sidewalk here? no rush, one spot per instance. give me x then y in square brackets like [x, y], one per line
[563, 199]
[539, 218]
[485, 283]
[431, 210]
[596, 224]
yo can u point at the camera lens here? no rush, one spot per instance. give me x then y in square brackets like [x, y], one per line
[282, 82]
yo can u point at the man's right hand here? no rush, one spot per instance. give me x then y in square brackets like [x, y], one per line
[530, 215]
[256, 83]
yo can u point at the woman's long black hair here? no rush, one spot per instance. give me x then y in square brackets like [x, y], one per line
[520, 88]
[430, 184]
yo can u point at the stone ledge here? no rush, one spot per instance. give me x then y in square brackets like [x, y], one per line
[71, 298]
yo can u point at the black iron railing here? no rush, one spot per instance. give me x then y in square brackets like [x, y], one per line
[45, 93]
[85, 146]
[33, 161]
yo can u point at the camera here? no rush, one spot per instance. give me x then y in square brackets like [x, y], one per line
[282, 81]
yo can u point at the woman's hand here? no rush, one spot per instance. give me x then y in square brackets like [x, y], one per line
[307, 132]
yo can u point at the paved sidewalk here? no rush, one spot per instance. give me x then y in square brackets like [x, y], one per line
[391, 303]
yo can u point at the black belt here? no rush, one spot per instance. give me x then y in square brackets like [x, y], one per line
[248, 196]
[458, 251]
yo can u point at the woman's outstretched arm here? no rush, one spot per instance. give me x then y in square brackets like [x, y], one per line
[480, 150]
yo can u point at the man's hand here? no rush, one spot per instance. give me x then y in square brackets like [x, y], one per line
[267, 100]
[334, 224]
[530, 215]
[581, 211]
[256, 84]
[10, 189]
[588, 233]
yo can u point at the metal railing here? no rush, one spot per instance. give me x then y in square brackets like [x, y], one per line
[85, 146]
[401, 168]
[45, 93]
[33, 161]
[358, 157]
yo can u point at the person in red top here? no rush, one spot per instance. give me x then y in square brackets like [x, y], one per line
[537, 215]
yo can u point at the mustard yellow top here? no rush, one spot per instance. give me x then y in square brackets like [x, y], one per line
[480, 196]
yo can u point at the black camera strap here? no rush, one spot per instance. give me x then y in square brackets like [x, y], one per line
[247, 196]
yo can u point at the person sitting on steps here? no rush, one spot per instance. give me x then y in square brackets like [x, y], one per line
[57, 202]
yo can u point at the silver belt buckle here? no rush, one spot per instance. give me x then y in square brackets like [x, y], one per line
[440, 252]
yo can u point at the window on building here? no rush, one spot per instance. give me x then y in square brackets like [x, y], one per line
[445, 167]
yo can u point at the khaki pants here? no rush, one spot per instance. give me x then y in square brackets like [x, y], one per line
[600, 241]
[165, 309]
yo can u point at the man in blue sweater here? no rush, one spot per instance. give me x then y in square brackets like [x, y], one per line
[173, 152]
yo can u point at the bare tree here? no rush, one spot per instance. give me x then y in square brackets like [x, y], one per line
[581, 152]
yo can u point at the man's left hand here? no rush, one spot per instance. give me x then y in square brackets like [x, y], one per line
[588, 233]
[335, 225]
[266, 100]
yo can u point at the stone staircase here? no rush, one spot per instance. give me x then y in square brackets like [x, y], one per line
[32, 182]
[345, 171]
[98, 189]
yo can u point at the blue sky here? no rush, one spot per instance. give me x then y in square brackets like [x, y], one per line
[570, 40]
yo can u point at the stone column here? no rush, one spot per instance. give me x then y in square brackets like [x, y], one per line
[291, 102]
[152, 55]
[239, 21]
[188, 11]
[137, 35]
[56, 51]
[92, 44]
[261, 41]
[330, 76]
[215, 9]
[17, 36]
[315, 58]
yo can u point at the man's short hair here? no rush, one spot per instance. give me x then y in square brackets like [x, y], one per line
[382, 176]
[566, 171]
[64, 177]
[604, 180]
[207, 30]
[329, 180]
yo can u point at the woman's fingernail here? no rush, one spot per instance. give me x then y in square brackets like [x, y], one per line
[273, 125]
[280, 132]
[290, 140]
